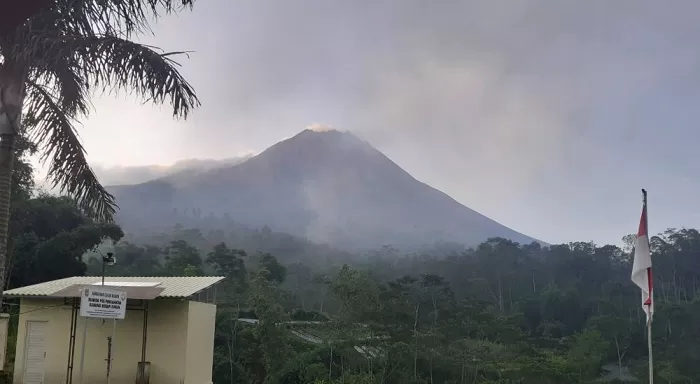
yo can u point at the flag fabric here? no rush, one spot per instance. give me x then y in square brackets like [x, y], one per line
[641, 267]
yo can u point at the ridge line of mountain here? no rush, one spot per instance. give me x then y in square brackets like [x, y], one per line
[329, 186]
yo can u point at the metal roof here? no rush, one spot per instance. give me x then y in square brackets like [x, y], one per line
[181, 286]
[132, 292]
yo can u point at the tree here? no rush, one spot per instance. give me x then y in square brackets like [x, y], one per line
[182, 259]
[276, 271]
[617, 330]
[54, 54]
[266, 299]
[587, 353]
[50, 237]
[23, 172]
[230, 264]
[132, 260]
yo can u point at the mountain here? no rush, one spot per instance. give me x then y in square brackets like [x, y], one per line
[326, 185]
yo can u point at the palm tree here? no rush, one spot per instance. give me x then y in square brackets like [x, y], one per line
[54, 55]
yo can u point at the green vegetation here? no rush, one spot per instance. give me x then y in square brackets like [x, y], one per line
[498, 313]
[48, 237]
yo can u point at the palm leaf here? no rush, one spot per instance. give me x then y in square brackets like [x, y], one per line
[111, 63]
[87, 17]
[79, 46]
[125, 16]
[119, 64]
[52, 127]
[71, 66]
[68, 80]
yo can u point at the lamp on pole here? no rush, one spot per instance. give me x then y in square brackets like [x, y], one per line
[107, 259]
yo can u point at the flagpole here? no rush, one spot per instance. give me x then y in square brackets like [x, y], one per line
[651, 360]
[649, 343]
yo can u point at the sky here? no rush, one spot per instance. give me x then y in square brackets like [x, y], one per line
[547, 116]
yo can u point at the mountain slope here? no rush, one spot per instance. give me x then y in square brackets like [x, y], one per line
[329, 186]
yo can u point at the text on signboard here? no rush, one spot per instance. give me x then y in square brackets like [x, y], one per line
[106, 301]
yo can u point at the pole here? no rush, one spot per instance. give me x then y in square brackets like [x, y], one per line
[110, 340]
[651, 360]
[144, 338]
[82, 352]
[71, 342]
[110, 355]
[649, 340]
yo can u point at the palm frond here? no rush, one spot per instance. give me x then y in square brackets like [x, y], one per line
[67, 78]
[121, 17]
[119, 64]
[52, 128]
[89, 17]
[111, 63]
[14, 13]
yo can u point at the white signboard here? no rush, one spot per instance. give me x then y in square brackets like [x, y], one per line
[102, 303]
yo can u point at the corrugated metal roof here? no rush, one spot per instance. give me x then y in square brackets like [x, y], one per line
[181, 286]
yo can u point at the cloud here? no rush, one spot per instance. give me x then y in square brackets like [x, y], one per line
[126, 175]
[523, 110]
[317, 127]
[120, 175]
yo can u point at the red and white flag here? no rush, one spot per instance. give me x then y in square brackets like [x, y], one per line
[641, 267]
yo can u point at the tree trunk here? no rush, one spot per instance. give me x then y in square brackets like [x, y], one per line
[675, 284]
[620, 355]
[323, 298]
[664, 294]
[229, 343]
[233, 328]
[431, 366]
[6, 163]
[500, 294]
[11, 98]
[415, 338]
[434, 334]
[299, 295]
[510, 298]
[330, 365]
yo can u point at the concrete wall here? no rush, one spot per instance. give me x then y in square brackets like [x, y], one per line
[200, 343]
[180, 339]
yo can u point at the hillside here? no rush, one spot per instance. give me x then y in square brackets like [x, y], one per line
[328, 186]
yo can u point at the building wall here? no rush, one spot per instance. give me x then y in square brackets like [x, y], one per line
[167, 342]
[200, 343]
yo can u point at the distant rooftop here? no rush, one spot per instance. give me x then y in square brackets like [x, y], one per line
[174, 287]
